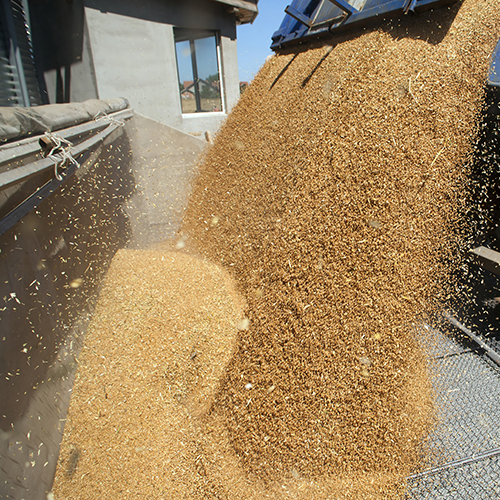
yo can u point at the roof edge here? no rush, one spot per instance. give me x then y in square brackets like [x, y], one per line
[245, 10]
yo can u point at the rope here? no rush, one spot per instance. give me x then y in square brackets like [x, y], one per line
[102, 116]
[60, 152]
[56, 141]
[60, 147]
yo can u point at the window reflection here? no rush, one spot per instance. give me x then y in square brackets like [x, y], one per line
[198, 71]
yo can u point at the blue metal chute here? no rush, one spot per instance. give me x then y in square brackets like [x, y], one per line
[307, 20]
[494, 73]
[310, 19]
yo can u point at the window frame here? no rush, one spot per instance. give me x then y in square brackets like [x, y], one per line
[196, 35]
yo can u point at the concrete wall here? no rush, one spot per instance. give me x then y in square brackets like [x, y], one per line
[61, 48]
[136, 59]
[133, 53]
[229, 56]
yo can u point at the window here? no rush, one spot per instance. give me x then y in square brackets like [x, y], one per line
[198, 70]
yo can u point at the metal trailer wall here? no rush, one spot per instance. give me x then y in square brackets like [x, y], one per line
[53, 262]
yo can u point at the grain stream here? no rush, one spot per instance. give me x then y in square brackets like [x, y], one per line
[334, 193]
[333, 196]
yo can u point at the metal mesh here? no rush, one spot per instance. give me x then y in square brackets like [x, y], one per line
[437, 345]
[463, 452]
[467, 389]
[476, 481]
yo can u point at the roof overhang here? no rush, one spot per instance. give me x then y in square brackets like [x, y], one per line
[245, 10]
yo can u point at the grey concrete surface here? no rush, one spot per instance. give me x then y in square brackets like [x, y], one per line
[134, 56]
[229, 55]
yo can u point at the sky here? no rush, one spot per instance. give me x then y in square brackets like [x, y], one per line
[254, 39]
[206, 56]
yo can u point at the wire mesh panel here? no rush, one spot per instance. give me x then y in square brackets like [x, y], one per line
[473, 481]
[438, 345]
[468, 397]
[463, 452]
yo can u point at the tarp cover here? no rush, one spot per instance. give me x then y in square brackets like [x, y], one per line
[17, 122]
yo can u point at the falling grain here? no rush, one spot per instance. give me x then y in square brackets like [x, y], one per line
[343, 208]
[333, 196]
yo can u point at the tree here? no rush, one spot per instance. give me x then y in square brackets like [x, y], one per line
[207, 88]
[212, 78]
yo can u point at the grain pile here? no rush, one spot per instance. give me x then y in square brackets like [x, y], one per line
[333, 196]
[161, 336]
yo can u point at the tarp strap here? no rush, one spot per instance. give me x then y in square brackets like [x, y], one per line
[102, 116]
[60, 152]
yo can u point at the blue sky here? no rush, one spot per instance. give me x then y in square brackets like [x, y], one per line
[254, 39]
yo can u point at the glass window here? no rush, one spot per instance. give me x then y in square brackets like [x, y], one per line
[198, 70]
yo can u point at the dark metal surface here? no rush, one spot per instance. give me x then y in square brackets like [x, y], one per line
[15, 215]
[490, 352]
[489, 259]
[296, 14]
[72, 235]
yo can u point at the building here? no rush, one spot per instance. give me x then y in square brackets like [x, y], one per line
[57, 51]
